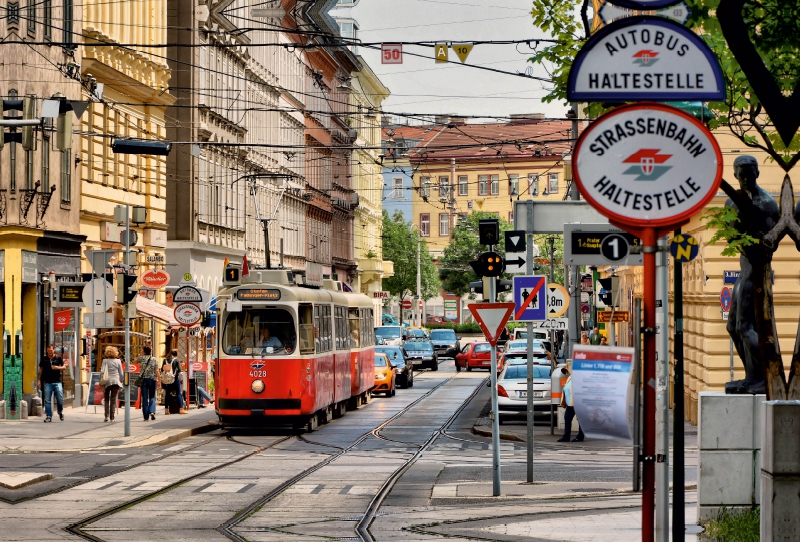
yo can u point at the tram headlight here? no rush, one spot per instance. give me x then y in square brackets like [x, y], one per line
[257, 386]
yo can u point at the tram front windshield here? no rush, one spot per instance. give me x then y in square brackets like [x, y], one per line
[259, 332]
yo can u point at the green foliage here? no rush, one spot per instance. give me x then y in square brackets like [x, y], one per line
[724, 220]
[454, 269]
[730, 527]
[440, 326]
[400, 247]
[470, 327]
[542, 241]
[773, 27]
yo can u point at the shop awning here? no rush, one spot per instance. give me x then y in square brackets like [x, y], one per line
[162, 313]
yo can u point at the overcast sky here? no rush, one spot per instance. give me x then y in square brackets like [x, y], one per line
[419, 85]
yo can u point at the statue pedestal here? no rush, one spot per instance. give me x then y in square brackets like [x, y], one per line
[729, 438]
[780, 472]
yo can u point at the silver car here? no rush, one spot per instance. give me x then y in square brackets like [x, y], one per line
[512, 390]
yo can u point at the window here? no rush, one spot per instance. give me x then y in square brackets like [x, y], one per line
[444, 188]
[29, 170]
[552, 184]
[425, 225]
[66, 177]
[12, 11]
[513, 185]
[32, 16]
[67, 38]
[397, 188]
[463, 187]
[533, 184]
[13, 95]
[483, 185]
[48, 19]
[425, 187]
[495, 185]
[45, 161]
[444, 225]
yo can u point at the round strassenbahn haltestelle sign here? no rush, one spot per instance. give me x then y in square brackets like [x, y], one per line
[647, 165]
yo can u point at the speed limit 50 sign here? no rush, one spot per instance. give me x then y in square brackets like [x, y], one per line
[391, 53]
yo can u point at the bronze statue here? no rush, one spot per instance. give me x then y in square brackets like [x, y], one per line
[761, 215]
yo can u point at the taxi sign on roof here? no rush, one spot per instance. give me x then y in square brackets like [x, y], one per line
[647, 166]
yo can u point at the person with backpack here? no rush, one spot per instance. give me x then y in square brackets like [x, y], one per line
[171, 370]
[148, 376]
[111, 377]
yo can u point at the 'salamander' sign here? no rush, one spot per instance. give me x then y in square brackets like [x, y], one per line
[645, 58]
[647, 165]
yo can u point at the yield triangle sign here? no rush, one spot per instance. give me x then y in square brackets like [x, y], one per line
[492, 318]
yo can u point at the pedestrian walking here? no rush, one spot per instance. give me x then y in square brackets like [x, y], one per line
[594, 338]
[173, 365]
[568, 402]
[111, 375]
[51, 369]
[149, 378]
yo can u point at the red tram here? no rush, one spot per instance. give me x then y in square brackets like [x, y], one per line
[290, 353]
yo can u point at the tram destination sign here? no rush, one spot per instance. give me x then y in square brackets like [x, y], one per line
[647, 166]
[258, 294]
[645, 58]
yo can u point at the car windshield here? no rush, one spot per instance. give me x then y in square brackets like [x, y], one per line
[419, 346]
[388, 332]
[483, 347]
[517, 345]
[416, 333]
[520, 372]
[380, 361]
[259, 332]
[443, 335]
[393, 352]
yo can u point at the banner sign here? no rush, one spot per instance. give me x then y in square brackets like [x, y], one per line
[645, 58]
[603, 389]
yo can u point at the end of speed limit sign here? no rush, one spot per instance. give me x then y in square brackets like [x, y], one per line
[391, 53]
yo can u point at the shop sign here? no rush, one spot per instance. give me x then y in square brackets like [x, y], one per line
[647, 166]
[187, 314]
[645, 58]
[155, 278]
[187, 294]
[30, 267]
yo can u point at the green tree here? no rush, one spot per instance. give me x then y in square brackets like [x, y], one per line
[773, 28]
[454, 269]
[400, 247]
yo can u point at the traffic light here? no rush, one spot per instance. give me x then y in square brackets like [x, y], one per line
[489, 231]
[500, 287]
[126, 289]
[488, 264]
[609, 285]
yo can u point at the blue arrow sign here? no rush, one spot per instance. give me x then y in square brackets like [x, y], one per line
[530, 304]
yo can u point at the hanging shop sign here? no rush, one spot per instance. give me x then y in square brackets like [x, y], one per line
[645, 58]
[187, 294]
[647, 166]
[155, 278]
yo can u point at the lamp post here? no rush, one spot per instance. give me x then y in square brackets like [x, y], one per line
[418, 308]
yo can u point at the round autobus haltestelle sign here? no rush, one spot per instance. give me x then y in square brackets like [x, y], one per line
[647, 165]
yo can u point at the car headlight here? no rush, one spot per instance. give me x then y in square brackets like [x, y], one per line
[453, 345]
[257, 386]
[380, 375]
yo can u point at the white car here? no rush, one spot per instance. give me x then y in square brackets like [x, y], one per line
[390, 335]
[521, 345]
[512, 390]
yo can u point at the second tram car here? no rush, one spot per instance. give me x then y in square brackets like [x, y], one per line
[286, 350]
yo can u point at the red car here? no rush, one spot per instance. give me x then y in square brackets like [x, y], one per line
[476, 356]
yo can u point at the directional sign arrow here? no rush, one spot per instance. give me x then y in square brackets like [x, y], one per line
[515, 263]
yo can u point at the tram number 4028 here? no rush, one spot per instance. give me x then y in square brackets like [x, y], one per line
[258, 374]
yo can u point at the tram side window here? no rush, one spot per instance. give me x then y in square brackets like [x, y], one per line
[341, 328]
[317, 329]
[355, 328]
[325, 334]
[370, 327]
[259, 332]
[306, 321]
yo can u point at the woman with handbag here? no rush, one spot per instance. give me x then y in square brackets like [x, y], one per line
[170, 373]
[111, 374]
[147, 379]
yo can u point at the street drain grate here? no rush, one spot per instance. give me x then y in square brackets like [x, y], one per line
[592, 490]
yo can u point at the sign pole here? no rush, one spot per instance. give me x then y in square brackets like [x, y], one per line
[496, 417]
[678, 474]
[529, 326]
[127, 382]
[662, 397]
[637, 397]
[648, 475]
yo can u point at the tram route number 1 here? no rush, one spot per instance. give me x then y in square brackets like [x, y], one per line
[391, 53]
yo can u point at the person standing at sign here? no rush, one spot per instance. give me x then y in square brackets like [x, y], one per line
[149, 369]
[112, 386]
[51, 369]
[173, 365]
[568, 402]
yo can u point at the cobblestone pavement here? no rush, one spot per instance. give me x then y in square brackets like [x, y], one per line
[432, 476]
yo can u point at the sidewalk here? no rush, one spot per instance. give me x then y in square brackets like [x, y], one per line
[85, 430]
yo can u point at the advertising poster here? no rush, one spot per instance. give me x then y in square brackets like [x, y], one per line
[603, 391]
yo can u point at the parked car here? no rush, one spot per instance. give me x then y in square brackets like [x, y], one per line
[420, 352]
[512, 390]
[476, 356]
[521, 347]
[431, 319]
[391, 335]
[445, 342]
[404, 369]
[522, 333]
[540, 356]
[385, 376]
[415, 333]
